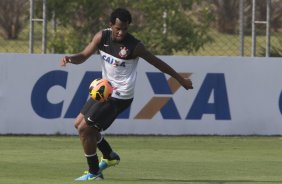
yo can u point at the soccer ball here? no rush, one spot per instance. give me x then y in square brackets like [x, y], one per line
[100, 89]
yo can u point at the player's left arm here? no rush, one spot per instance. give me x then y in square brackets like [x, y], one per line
[141, 51]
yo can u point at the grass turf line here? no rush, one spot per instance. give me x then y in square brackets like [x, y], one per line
[145, 159]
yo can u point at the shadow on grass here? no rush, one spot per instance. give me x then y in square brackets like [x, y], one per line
[189, 181]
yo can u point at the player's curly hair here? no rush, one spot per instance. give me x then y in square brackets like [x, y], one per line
[122, 14]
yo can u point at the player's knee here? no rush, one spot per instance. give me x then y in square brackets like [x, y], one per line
[82, 128]
[78, 120]
[76, 124]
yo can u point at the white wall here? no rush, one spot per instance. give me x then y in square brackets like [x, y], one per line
[231, 95]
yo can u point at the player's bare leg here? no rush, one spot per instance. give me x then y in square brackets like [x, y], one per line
[88, 137]
[78, 120]
[110, 158]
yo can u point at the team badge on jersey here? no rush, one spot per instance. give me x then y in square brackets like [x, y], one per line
[123, 52]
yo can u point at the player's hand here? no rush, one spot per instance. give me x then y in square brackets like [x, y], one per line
[65, 60]
[187, 84]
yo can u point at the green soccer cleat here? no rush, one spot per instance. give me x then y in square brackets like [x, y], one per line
[88, 176]
[105, 163]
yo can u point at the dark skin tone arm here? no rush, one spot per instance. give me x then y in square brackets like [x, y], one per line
[142, 52]
[81, 57]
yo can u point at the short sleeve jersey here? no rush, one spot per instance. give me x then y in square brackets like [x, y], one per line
[118, 64]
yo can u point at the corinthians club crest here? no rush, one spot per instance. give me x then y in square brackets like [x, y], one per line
[123, 52]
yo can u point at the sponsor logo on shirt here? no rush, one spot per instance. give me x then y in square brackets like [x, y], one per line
[113, 61]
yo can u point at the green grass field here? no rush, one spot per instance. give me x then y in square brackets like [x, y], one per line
[145, 159]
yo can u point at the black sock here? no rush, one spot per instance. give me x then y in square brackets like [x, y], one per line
[93, 163]
[105, 148]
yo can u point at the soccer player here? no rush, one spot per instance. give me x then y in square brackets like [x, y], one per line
[119, 52]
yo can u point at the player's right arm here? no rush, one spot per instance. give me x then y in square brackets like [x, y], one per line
[141, 51]
[90, 49]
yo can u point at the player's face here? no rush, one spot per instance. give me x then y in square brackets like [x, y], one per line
[119, 30]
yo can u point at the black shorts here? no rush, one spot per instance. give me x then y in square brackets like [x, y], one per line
[102, 114]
